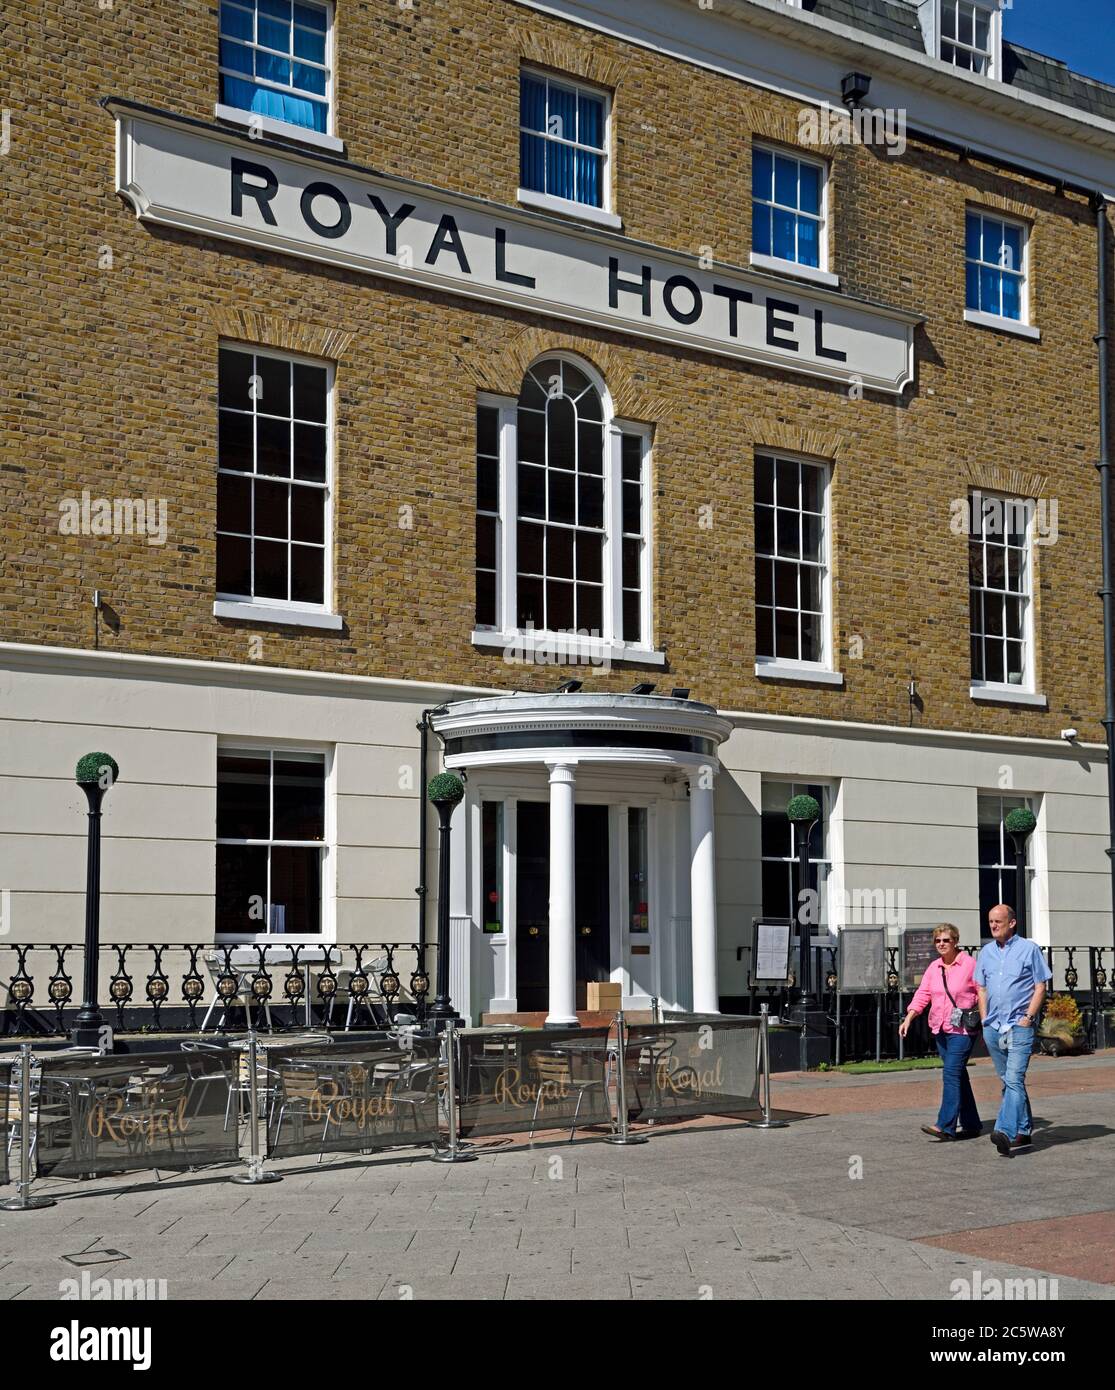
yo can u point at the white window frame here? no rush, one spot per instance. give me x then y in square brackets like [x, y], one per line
[820, 274]
[604, 215]
[1033, 804]
[1022, 326]
[610, 645]
[799, 786]
[1003, 691]
[994, 50]
[820, 672]
[294, 613]
[254, 748]
[269, 125]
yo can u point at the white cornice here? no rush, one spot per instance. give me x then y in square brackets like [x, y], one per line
[783, 49]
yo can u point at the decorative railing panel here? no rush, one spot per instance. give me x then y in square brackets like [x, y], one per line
[537, 1079]
[701, 1065]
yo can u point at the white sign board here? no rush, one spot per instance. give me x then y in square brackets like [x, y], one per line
[771, 953]
[184, 173]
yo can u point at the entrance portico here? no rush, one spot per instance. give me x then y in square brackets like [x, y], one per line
[564, 790]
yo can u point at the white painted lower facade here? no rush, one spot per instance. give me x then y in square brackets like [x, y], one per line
[903, 816]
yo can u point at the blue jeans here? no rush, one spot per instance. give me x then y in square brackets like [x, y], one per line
[957, 1100]
[1010, 1050]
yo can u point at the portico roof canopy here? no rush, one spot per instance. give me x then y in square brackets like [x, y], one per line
[581, 728]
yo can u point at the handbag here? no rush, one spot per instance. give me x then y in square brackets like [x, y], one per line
[964, 1018]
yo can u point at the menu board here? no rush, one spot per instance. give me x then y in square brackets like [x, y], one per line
[862, 958]
[770, 952]
[918, 954]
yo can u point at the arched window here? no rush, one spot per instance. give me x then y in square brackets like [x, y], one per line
[562, 526]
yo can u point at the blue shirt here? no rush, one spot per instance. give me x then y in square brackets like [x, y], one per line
[1008, 974]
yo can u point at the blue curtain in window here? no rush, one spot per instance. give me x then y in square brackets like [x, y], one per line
[280, 106]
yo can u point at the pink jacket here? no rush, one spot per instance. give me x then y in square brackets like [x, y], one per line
[931, 991]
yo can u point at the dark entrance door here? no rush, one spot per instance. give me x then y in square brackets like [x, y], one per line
[532, 885]
[592, 900]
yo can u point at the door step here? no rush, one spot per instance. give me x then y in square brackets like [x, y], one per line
[584, 1018]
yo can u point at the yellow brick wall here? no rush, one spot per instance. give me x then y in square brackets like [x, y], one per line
[110, 375]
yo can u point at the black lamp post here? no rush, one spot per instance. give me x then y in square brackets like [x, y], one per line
[445, 791]
[96, 772]
[1019, 825]
[803, 813]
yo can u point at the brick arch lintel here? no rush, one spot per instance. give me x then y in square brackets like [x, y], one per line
[1014, 482]
[794, 439]
[268, 330]
[535, 46]
[501, 371]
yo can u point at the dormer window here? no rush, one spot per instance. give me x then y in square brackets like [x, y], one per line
[965, 35]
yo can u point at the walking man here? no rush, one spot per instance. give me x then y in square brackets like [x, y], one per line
[1011, 975]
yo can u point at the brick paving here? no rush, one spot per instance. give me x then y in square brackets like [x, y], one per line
[844, 1202]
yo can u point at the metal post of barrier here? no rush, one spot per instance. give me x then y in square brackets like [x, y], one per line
[837, 1027]
[901, 1039]
[25, 1202]
[454, 1153]
[255, 1173]
[623, 1135]
[878, 1026]
[764, 1061]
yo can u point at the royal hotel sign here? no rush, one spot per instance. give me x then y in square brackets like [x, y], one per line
[186, 174]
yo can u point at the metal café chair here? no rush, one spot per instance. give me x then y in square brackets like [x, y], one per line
[553, 1073]
[215, 966]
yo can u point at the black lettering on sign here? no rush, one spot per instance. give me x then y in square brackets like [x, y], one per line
[735, 298]
[775, 324]
[391, 221]
[502, 273]
[448, 238]
[261, 194]
[344, 212]
[670, 288]
[818, 339]
[616, 283]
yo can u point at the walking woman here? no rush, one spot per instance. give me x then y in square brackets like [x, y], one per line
[949, 990]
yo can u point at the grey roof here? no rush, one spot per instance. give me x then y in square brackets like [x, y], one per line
[1042, 76]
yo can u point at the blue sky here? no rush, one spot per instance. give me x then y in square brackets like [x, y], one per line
[1079, 32]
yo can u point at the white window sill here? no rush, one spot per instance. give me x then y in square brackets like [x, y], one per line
[1008, 695]
[566, 207]
[285, 130]
[778, 266]
[797, 671]
[246, 612]
[522, 648]
[1020, 330]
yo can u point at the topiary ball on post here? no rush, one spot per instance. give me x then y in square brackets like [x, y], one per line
[445, 789]
[91, 769]
[803, 810]
[1020, 822]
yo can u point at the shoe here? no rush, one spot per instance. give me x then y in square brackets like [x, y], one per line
[970, 1133]
[938, 1134]
[1001, 1142]
[1023, 1141]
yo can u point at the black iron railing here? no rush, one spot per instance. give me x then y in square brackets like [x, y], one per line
[172, 986]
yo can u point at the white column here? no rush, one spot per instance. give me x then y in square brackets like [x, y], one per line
[702, 880]
[563, 941]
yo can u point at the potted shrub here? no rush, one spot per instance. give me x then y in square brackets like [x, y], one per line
[1062, 1028]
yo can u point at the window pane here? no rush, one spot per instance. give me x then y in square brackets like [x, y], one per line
[785, 225]
[632, 553]
[990, 301]
[487, 430]
[786, 634]
[590, 178]
[788, 528]
[295, 890]
[764, 529]
[590, 447]
[234, 448]
[486, 542]
[764, 632]
[532, 162]
[532, 491]
[632, 508]
[632, 625]
[785, 181]
[810, 188]
[561, 115]
[530, 548]
[487, 485]
[485, 598]
[307, 574]
[787, 483]
[234, 371]
[764, 582]
[299, 798]
[590, 121]
[272, 69]
[590, 549]
[273, 446]
[811, 649]
[312, 16]
[972, 226]
[309, 45]
[492, 861]
[234, 503]
[270, 569]
[309, 452]
[559, 553]
[764, 479]
[786, 584]
[243, 792]
[560, 422]
[590, 492]
[560, 170]
[1012, 297]
[235, 22]
[241, 889]
[234, 565]
[762, 174]
[310, 388]
[559, 606]
[809, 242]
[590, 608]
[307, 514]
[760, 229]
[531, 442]
[235, 56]
[271, 503]
[530, 602]
[560, 490]
[532, 103]
[971, 286]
